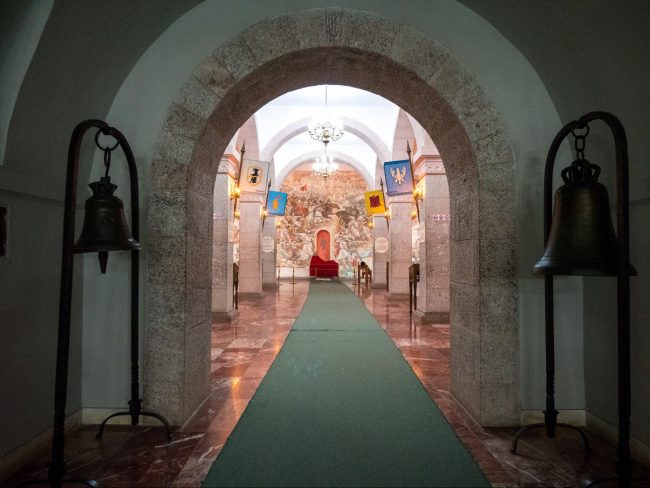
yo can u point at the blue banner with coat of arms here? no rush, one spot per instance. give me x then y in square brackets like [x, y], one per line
[399, 178]
[276, 203]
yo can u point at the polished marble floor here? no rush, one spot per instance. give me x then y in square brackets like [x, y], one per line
[242, 353]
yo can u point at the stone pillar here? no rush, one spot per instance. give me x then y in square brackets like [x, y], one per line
[250, 243]
[433, 289]
[222, 255]
[400, 245]
[380, 252]
[269, 254]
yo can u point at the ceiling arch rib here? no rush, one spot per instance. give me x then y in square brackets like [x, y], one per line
[362, 131]
[336, 157]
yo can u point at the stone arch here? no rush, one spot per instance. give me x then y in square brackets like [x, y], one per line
[363, 50]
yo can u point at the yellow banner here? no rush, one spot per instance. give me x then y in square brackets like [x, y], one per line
[375, 202]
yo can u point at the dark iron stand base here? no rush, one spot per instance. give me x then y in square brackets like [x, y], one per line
[135, 417]
[625, 270]
[551, 435]
[550, 414]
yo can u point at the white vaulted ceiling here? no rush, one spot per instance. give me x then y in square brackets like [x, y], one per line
[369, 122]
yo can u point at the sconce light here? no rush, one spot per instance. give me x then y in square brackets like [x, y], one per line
[418, 194]
[371, 224]
[236, 214]
[278, 223]
[387, 217]
[235, 193]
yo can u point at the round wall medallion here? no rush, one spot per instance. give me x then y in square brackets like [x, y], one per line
[268, 244]
[381, 245]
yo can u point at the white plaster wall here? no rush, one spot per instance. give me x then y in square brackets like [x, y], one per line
[21, 26]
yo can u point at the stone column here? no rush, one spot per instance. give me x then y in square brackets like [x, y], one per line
[250, 242]
[380, 252]
[222, 252]
[400, 246]
[433, 289]
[269, 254]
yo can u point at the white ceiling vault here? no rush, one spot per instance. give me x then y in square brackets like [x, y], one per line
[370, 123]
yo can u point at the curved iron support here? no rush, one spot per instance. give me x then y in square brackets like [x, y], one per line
[135, 404]
[550, 432]
[550, 414]
[623, 458]
[136, 417]
[56, 470]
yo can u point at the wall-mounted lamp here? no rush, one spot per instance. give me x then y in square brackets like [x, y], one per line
[371, 224]
[414, 214]
[418, 193]
[237, 190]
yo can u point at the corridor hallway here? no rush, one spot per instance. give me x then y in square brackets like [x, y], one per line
[242, 353]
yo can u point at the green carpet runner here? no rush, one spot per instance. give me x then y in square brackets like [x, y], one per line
[341, 407]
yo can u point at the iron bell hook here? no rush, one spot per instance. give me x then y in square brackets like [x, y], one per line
[104, 228]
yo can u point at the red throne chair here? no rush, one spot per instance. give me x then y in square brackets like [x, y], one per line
[323, 269]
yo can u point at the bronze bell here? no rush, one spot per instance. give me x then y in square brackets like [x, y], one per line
[581, 239]
[104, 228]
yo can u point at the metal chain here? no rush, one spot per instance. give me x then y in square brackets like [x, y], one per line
[580, 142]
[107, 151]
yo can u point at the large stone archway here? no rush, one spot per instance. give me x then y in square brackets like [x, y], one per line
[347, 47]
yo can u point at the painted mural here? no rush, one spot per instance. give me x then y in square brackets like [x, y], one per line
[334, 205]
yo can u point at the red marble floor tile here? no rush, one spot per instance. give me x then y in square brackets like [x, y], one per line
[242, 353]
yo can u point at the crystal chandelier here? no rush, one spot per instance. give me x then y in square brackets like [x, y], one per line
[324, 168]
[325, 130]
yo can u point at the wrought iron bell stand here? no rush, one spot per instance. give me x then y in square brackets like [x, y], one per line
[135, 403]
[550, 413]
[621, 268]
[56, 472]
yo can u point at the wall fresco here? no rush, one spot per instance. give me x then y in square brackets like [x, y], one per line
[335, 205]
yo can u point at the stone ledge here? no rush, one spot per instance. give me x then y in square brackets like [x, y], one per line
[423, 318]
[224, 317]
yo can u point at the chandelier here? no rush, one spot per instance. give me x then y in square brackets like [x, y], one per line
[325, 130]
[324, 168]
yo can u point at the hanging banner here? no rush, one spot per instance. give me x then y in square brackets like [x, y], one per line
[277, 203]
[375, 204]
[254, 176]
[399, 178]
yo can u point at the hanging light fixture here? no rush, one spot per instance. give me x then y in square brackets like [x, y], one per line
[324, 167]
[325, 130]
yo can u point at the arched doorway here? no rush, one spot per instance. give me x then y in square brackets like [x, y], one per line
[323, 245]
[337, 46]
